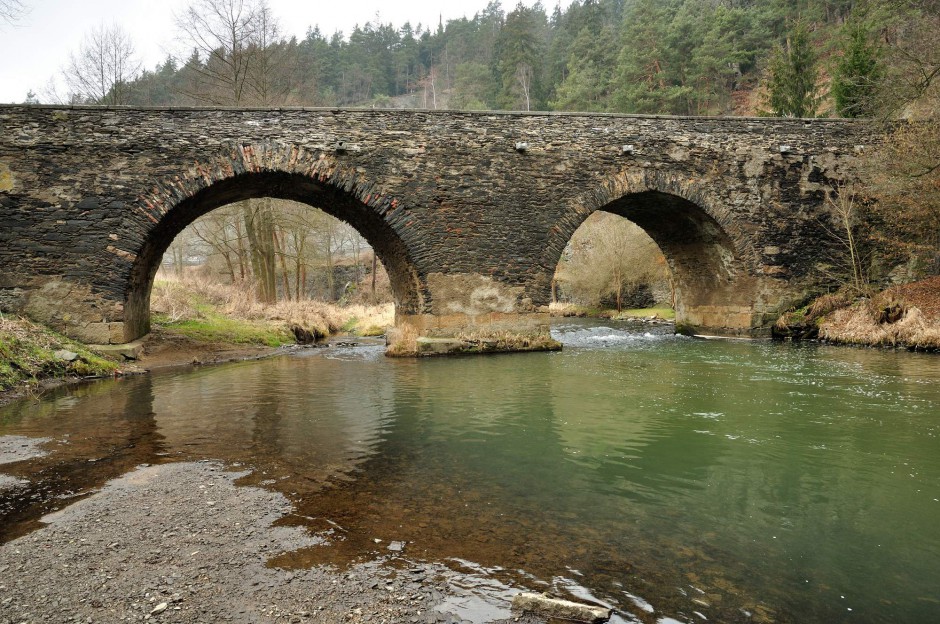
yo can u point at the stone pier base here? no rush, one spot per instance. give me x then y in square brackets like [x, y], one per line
[733, 321]
[493, 332]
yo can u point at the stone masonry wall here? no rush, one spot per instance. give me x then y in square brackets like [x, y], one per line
[478, 205]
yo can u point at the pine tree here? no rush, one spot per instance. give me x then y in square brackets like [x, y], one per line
[521, 51]
[587, 87]
[792, 90]
[857, 75]
[649, 70]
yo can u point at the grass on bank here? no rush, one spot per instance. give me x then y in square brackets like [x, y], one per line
[207, 311]
[28, 355]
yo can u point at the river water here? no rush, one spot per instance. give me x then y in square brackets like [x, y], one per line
[674, 478]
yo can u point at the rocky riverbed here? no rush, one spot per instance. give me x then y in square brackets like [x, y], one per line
[181, 542]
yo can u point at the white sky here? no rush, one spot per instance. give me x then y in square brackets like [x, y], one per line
[37, 47]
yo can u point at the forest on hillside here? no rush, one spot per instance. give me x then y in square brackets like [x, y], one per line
[687, 57]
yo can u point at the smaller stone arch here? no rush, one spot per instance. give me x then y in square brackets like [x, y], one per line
[705, 251]
[280, 172]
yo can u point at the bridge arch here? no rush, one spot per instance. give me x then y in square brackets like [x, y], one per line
[313, 180]
[700, 242]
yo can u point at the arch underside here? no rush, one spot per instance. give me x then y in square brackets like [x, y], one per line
[713, 291]
[696, 247]
[338, 203]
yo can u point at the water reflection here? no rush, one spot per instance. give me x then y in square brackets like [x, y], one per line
[740, 481]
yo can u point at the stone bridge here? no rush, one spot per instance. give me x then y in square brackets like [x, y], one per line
[469, 212]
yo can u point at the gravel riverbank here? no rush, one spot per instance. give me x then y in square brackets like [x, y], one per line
[180, 542]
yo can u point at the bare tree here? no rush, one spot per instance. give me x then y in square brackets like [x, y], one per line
[912, 58]
[524, 77]
[103, 67]
[849, 266]
[269, 66]
[11, 10]
[609, 259]
[233, 39]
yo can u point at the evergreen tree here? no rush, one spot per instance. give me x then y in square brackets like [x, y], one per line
[857, 75]
[647, 80]
[521, 48]
[791, 88]
[318, 66]
[732, 41]
[473, 87]
[590, 72]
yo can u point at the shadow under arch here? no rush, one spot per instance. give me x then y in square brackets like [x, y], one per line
[714, 293]
[297, 187]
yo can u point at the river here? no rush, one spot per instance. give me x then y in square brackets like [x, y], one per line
[677, 479]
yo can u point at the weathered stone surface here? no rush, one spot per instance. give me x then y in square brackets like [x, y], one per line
[544, 606]
[469, 228]
[438, 346]
[128, 351]
[65, 355]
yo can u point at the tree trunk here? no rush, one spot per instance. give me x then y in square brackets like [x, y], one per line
[374, 267]
[285, 277]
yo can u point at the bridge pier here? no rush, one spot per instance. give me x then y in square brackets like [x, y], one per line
[430, 334]
[471, 313]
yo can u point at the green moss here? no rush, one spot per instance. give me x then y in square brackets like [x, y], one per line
[212, 326]
[373, 330]
[217, 328]
[27, 354]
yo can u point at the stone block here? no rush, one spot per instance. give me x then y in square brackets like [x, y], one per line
[128, 351]
[438, 346]
[94, 333]
[115, 333]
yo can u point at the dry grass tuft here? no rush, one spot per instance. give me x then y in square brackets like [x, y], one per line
[827, 304]
[565, 309]
[804, 322]
[370, 320]
[903, 316]
[197, 298]
[859, 324]
[493, 341]
[402, 341]
[924, 295]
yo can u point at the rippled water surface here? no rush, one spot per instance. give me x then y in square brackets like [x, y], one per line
[671, 477]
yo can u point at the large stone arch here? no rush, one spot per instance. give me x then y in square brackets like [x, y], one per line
[708, 253]
[241, 172]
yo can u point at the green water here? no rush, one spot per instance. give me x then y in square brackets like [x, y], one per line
[671, 477]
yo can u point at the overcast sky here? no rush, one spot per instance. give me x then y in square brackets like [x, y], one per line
[37, 47]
